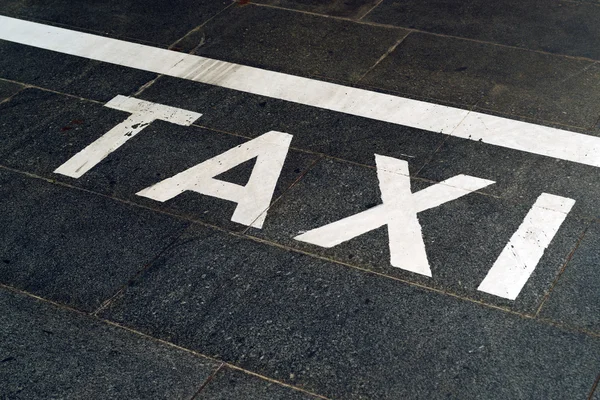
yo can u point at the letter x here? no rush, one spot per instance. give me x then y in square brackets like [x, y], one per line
[398, 211]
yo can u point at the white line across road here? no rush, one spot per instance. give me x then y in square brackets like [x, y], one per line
[517, 135]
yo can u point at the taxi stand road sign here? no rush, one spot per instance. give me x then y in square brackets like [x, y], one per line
[398, 210]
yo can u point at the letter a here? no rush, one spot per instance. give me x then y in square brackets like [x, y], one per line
[253, 199]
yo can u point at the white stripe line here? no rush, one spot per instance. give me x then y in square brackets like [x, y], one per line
[498, 131]
[526, 247]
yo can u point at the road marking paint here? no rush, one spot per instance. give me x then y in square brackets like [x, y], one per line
[525, 248]
[399, 212]
[143, 113]
[270, 151]
[498, 131]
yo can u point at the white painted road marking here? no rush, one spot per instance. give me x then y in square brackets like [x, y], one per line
[498, 131]
[525, 248]
[399, 212]
[142, 115]
[270, 150]
[509, 273]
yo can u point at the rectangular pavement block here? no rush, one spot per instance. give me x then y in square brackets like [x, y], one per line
[73, 247]
[345, 333]
[563, 27]
[48, 352]
[296, 43]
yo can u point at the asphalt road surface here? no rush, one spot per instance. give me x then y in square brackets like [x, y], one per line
[295, 199]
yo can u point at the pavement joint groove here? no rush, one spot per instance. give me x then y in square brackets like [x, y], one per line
[594, 388]
[107, 302]
[384, 56]
[173, 46]
[208, 380]
[369, 10]
[560, 273]
[298, 179]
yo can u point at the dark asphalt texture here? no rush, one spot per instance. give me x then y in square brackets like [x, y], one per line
[106, 294]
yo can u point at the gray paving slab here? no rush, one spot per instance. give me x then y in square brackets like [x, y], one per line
[562, 27]
[151, 21]
[47, 352]
[338, 8]
[229, 383]
[513, 81]
[296, 43]
[335, 134]
[518, 175]
[43, 130]
[73, 75]
[575, 299]
[8, 89]
[463, 237]
[73, 247]
[345, 333]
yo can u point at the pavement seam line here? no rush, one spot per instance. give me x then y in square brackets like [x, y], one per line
[444, 140]
[594, 387]
[388, 26]
[29, 86]
[369, 11]
[155, 339]
[296, 250]
[562, 270]
[107, 303]
[298, 179]
[208, 380]
[277, 382]
[581, 71]
[596, 124]
[9, 98]
[384, 56]
[197, 28]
